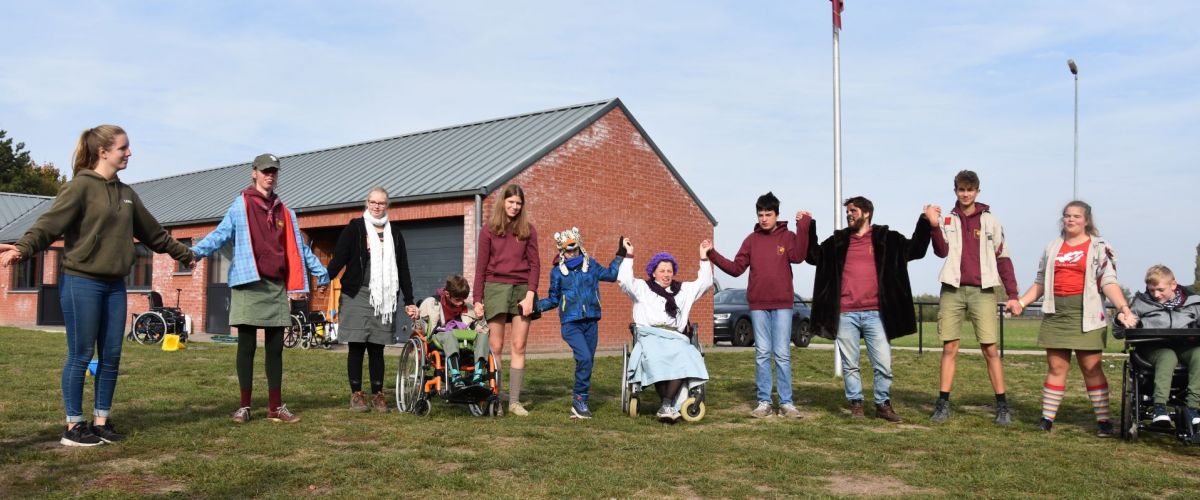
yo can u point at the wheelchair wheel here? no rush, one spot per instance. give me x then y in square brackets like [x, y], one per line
[1129, 406]
[624, 373]
[494, 408]
[633, 406]
[693, 410]
[479, 408]
[149, 328]
[291, 334]
[410, 377]
[421, 407]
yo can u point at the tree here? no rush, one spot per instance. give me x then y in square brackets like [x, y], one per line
[20, 174]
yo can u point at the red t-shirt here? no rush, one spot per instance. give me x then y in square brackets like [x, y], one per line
[1070, 267]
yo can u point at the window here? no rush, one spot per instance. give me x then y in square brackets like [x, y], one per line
[180, 268]
[142, 273]
[27, 274]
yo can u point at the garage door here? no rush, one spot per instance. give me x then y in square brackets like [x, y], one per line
[435, 251]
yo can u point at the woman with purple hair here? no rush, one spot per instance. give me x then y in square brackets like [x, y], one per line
[663, 355]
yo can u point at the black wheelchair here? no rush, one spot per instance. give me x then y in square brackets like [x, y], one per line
[1137, 405]
[151, 326]
[309, 329]
[693, 407]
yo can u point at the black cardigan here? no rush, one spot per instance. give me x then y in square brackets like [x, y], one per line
[892, 253]
[351, 253]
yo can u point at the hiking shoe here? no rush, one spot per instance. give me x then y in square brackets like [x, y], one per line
[515, 408]
[856, 409]
[242, 415]
[1104, 429]
[1193, 415]
[886, 412]
[379, 403]
[1161, 418]
[941, 411]
[1045, 424]
[579, 408]
[80, 434]
[1003, 415]
[789, 410]
[358, 402]
[282, 414]
[762, 410]
[106, 433]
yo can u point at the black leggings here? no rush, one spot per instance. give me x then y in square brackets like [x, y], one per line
[354, 364]
[668, 389]
[247, 343]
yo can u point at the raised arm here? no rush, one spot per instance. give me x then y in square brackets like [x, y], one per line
[919, 243]
[799, 250]
[941, 248]
[734, 267]
[629, 285]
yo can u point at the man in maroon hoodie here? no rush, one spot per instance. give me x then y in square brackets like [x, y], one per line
[971, 240]
[769, 253]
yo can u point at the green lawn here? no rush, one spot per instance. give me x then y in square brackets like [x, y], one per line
[174, 408]
[1019, 334]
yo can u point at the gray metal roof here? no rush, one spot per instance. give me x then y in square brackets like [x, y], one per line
[457, 161]
[14, 206]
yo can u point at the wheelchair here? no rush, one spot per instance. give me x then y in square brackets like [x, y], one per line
[151, 326]
[425, 373]
[693, 408]
[309, 329]
[1137, 405]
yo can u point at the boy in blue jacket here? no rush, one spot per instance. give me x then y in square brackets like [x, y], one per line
[575, 292]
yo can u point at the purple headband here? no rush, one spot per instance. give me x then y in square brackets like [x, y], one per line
[658, 258]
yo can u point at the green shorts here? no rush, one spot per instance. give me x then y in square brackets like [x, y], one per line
[503, 298]
[968, 302]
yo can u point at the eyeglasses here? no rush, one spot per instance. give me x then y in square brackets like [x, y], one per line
[377, 203]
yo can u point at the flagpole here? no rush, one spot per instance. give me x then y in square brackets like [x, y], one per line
[837, 155]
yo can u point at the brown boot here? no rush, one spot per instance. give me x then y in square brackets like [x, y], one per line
[856, 409]
[358, 402]
[379, 403]
[886, 412]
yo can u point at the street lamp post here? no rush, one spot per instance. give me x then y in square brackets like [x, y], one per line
[1075, 169]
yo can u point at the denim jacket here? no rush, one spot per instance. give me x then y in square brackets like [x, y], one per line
[234, 228]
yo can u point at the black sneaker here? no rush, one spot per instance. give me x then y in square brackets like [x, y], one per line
[1003, 415]
[80, 434]
[1045, 424]
[1104, 429]
[106, 433]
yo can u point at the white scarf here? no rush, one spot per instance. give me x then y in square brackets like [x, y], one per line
[384, 276]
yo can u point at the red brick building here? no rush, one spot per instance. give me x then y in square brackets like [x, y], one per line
[589, 165]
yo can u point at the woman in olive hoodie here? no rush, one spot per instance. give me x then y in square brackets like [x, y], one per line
[98, 216]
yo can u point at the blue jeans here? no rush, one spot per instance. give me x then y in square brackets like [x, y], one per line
[582, 337]
[772, 336]
[94, 314]
[866, 324]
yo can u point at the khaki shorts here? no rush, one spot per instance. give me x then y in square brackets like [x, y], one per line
[503, 298]
[968, 302]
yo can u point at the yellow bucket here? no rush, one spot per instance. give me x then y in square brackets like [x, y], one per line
[171, 342]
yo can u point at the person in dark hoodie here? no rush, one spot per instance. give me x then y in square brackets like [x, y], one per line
[270, 260]
[98, 216]
[769, 252]
[862, 290]
[372, 252]
[575, 292]
[972, 241]
[1165, 304]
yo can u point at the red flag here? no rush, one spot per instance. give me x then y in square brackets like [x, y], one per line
[838, 6]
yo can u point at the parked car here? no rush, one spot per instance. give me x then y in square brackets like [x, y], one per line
[731, 319]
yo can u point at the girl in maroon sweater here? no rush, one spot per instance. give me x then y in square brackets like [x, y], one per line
[506, 279]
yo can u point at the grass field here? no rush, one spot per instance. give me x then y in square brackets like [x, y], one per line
[174, 408]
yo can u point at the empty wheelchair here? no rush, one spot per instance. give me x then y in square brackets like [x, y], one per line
[692, 408]
[426, 373]
[309, 329]
[151, 326]
[1137, 405]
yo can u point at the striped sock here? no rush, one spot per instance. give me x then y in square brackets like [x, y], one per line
[1099, 396]
[1052, 396]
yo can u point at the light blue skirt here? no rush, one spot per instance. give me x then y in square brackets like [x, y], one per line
[660, 355]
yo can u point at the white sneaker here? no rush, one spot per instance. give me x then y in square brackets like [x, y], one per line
[666, 414]
[517, 409]
[789, 411]
[763, 410]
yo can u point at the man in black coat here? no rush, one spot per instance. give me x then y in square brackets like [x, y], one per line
[862, 290]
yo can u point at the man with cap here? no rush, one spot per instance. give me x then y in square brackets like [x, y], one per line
[270, 260]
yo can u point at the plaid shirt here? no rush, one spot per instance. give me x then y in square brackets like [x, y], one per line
[234, 228]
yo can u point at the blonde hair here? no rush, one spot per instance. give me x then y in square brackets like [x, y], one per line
[87, 150]
[498, 219]
[1158, 274]
[376, 189]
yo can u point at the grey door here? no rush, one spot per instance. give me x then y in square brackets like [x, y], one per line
[216, 307]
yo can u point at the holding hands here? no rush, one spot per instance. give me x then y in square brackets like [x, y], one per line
[479, 310]
[9, 255]
[801, 215]
[705, 246]
[411, 311]
[934, 214]
[1014, 307]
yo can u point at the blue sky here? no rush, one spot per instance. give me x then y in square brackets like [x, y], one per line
[737, 94]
